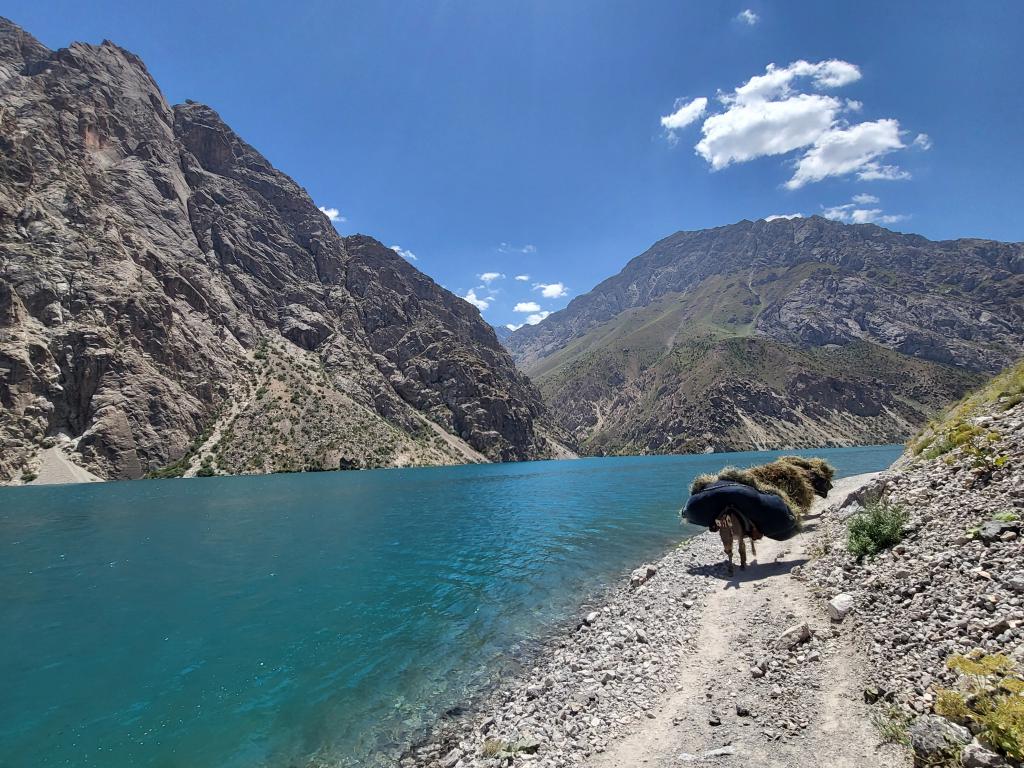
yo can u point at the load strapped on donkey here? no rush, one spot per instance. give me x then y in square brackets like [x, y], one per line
[773, 497]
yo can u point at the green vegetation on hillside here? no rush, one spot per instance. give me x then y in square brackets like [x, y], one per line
[956, 426]
[686, 373]
[774, 335]
[649, 382]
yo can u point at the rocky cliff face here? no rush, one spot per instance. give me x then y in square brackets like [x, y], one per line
[801, 332]
[148, 255]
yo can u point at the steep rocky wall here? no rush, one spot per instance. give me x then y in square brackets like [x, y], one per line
[146, 250]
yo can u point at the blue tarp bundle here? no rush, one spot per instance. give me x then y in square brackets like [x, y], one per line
[766, 510]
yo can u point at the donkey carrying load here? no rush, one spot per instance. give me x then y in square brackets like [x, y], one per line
[766, 500]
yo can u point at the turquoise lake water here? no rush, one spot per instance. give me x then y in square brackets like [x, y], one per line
[265, 621]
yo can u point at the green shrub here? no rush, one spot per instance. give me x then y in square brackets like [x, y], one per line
[878, 527]
[991, 702]
[27, 476]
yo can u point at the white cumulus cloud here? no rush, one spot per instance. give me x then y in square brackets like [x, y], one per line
[475, 300]
[490, 277]
[522, 278]
[332, 213]
[748, 17]
[526, 306]
[852, 213]
[536, 318]
[844, 150]
[777, 82]
[784, 110]
[749, 130]
[686, 112]
[407, 255]
[551, 290]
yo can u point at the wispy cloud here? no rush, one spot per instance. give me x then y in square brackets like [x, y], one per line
[686, 112]
[407, 255]
[748, 17]
[878, 172]
[522, 278]
[853, 213]
[509, 248]
[775, 216]
[490, 277]
[332, 213]
[514, 326]
[923, 141]
[551, 290]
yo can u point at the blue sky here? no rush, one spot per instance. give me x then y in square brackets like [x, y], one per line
[527, 138]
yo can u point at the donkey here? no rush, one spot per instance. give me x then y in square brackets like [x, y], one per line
[731, 524]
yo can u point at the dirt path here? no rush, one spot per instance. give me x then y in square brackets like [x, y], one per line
[806, 711]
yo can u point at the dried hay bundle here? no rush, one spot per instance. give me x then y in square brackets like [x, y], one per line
[793, 478]
[819, 471]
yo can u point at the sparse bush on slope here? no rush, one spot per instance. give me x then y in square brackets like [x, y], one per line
[878, 527]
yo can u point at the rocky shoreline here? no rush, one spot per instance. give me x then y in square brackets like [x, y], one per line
[607, 676]
[590, 684]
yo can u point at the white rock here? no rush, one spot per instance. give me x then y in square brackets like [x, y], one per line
[840, 606]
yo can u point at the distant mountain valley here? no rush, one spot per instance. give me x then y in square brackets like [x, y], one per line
[787, 333]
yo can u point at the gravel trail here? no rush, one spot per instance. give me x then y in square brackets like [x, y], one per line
[808, 704]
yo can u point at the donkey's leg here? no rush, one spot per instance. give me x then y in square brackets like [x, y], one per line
[743, 554]
[726, 533]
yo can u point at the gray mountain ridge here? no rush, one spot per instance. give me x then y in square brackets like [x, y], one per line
[793, 332]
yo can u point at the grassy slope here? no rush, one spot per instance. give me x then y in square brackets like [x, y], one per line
[957, 425]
